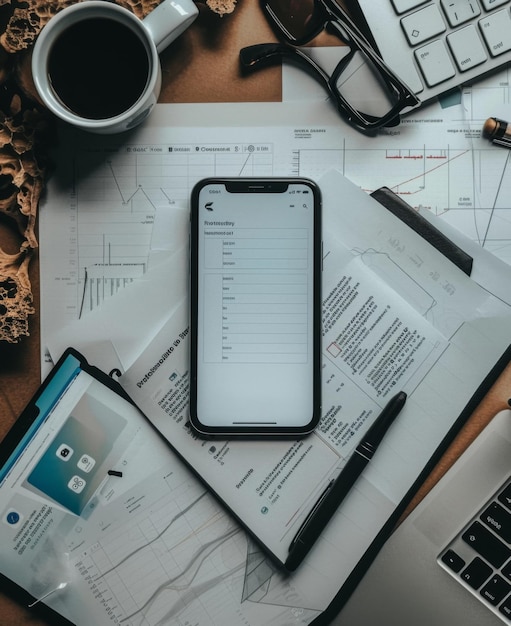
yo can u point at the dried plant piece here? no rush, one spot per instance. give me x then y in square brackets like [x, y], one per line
[26, 22]
[140, 8]
[22, 129]
[21, 177]
[28, 17]
[16, 300]
[222, 7]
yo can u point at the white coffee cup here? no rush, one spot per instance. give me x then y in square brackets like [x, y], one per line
[96, 65]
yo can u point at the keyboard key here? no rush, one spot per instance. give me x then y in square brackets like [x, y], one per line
[402, 6]
[466, 47]
[505, 497]
[505, 607]
[486, 544]
[489, 5]
[423, 24]
[453, 560]
[506, 570]
[495, 590]
[460, 11]
[496, 29]
[476, 573]
[499, 520]
[435, 63]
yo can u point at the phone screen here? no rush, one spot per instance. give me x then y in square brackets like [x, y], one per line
[255, 260]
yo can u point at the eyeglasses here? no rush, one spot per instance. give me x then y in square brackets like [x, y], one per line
[366, 91]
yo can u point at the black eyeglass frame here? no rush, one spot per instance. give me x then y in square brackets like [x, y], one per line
[329, 15]
[324, 11]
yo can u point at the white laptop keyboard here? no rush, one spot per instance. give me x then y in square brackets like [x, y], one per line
[480, 556]
[436, 45]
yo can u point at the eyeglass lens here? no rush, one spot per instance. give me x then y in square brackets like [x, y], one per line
[360, 83]
[295, 17]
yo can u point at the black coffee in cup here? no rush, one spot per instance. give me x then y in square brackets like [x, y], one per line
[98, 67]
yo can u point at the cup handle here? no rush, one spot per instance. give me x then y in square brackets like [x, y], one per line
[168, 20]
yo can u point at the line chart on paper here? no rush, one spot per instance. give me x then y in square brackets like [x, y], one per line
[179, 558]
[112, 198]
[469, 188]
[183, 560]
[167, 563]
[410, 172]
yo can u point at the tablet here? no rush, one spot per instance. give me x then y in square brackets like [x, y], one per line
[96, 509]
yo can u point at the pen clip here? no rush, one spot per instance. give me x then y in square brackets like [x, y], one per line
[312, 513]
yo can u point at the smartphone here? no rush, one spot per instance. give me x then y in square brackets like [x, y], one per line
[255, 267]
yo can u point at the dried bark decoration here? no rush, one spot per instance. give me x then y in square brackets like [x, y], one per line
[23, 143]
[22, 126]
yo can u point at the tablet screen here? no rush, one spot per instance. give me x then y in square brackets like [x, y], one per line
[91, 499]
[56, 481]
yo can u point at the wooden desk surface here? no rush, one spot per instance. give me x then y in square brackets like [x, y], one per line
[202, 66]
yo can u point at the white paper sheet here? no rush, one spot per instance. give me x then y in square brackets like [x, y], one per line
[99, 217]
[437, 391]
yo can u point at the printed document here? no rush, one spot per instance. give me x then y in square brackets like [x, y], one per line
[375, 342]
[104, 230]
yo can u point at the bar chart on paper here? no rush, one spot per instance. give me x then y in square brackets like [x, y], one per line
[124, 194]
[109, 201]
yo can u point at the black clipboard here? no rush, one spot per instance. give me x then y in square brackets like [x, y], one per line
[464, 262]
[398, 207]
[41, 456]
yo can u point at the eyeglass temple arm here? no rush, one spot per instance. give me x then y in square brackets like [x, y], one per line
[336, 10]
[267, 54]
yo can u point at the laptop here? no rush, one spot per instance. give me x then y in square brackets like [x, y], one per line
[449, 563]
[435, 46]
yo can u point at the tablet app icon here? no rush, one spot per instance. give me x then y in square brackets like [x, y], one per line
[86, 463]
[13, 518]
[64, 452]
[77, 484]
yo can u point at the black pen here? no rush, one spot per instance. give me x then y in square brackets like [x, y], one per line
[338, 489]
